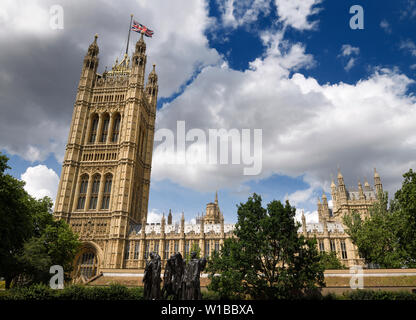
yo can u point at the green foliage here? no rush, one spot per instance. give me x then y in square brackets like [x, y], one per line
[379, 295]
[32, 240]
[330, 261]
[194, 248]
[387, 237]
[74, 292]
[267, 259]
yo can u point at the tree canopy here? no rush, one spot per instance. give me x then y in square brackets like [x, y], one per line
[387, 236]
[268, 258]
[31, 239]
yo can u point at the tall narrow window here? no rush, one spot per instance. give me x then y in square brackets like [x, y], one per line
[82, 192]
[107, 192]
[104, 132]
[156, 246]
[186, 248]
[94, 192]
[176, 246]
[116, 128]
[321, 246]
[332, 244]
[146, 250]
[136, 250]
[206, 248]
[343, 249]
[127, 251]
[217, 246]
[87, 265]
[166, 252]
[94, 128]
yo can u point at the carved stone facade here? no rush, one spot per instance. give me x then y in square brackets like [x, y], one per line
[103, 191]
[330, 230]
[104, 185]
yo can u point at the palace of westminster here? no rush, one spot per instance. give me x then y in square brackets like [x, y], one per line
[103, 191]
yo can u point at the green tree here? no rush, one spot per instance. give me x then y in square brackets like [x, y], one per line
[404, 205]
[377, 236]
[15, 222]
[268, 259]
[31, 239]
[330, 261]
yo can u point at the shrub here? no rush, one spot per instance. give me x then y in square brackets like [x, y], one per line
[379, 295]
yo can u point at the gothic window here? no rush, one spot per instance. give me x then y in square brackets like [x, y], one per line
[207, 248]
[116, 128]
[127, 251]
[82, 192]
[136, 250]
[332, 244]
[321, 246]
[107, 192]
[146, 250]
[94, 128]
[166, 252]
[156, 246]
[217, 246]
[94, 192]
[104, 133]
[176, 246]
[343, 250]
[87, 264]
[186, 248]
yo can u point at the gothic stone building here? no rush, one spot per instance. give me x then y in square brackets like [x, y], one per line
[330, 230]
[104, 186]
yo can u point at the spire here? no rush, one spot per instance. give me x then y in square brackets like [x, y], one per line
[377, 182]
[366, 185]
[303, 223]
[152, 87]
[170, 217]
[340, 177]
[216, 197]
[360, 191]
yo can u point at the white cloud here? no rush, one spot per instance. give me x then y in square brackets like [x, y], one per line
[385, 25]
[347, 50]
[41, 181]
[310, 216]
[293, 13]
[308, 128]
[350, 64]
[296, 13]
[409, 46]
[154, 216]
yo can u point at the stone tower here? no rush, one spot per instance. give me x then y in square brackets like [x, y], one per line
[104, 184]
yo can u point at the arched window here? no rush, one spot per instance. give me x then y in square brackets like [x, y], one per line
[104, 133]
[94, 191]
[107, 191]
[94, 128]
[116, 128]
[82, 192]
[87, 264]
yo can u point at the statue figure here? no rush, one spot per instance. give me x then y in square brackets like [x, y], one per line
[151, 277]
[172, 279]
[191, 287]
[167, 289]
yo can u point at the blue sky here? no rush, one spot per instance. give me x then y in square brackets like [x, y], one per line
[323, 94]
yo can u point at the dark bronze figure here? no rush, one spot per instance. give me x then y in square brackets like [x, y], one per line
[151, 277]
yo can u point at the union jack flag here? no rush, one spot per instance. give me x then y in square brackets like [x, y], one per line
[138, 27]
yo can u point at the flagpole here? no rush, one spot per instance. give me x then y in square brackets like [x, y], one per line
[128, 39]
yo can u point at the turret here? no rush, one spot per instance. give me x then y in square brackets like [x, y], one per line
[334, 194]
[162, 224]
[182, 223]
[89, 68]
[366, 185]
[377, 182]
[170, 217]
[139, 61]
[303, 224]
[360, 191]
[152, 88]
[325, 209]
[342, 192]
